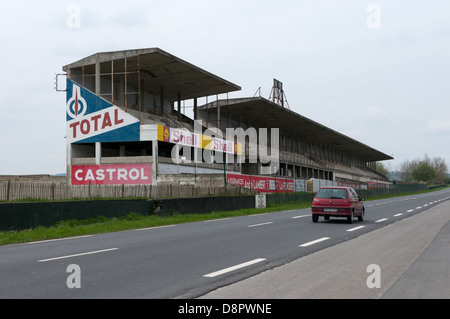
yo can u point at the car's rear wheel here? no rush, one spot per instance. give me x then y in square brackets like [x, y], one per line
[315, 218]
[350, 217]
[361, 218]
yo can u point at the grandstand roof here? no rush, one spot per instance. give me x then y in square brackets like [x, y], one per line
[259, 112]
[161, 69]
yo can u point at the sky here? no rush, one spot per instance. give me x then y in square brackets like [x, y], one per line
[377, 71]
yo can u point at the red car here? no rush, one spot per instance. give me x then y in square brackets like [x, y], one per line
[337, 202]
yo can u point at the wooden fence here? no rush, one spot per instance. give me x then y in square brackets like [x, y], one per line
[30, 190]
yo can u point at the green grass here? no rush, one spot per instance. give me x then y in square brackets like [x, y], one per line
[73, 228]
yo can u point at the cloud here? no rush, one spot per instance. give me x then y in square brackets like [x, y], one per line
[438, 126]
[374, 115]
[374, 111]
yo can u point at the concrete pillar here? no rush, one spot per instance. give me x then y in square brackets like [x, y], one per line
[155, 162]
[161, 100]
[68, 163]
[195, 109]
[218, 112]
[179, 106]
[97, 78]
[98, 153]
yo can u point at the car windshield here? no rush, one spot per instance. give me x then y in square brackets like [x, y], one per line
[332, 193]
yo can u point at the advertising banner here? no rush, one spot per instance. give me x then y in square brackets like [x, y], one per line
[118, 174]
[263, 184]
[91, 118]
[186, 138]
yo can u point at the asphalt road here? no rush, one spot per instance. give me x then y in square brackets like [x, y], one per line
[192, 260]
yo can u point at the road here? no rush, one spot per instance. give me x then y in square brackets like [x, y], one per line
[193, 260]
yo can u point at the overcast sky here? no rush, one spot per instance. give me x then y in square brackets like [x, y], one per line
[376, 71]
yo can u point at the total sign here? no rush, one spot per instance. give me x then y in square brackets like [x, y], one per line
[93, 119]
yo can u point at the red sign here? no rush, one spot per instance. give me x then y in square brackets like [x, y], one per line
[263, 184]
[118, 174]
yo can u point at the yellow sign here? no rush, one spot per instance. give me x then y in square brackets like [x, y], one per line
[186, 138]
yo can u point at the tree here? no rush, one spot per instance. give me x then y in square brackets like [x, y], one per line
[424, 173]
[438, 163]
[441, 169]
[382, 169]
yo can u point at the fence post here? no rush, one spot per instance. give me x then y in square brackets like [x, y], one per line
[8, 188]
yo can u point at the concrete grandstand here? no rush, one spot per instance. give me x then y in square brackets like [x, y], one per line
[125, 122]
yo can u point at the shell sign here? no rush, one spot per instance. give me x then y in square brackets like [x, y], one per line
[186, 138]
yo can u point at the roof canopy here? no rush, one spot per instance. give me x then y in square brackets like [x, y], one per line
[259, 113]
[160, 69]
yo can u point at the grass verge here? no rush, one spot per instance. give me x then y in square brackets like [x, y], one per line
[73, 228]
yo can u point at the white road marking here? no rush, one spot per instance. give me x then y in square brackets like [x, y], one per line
[216, 220]
[398, 215]
[356, 228]
[59, 239]
[381, 220]
[315, 242]
[419, 207]
[230, 269]
[302, 216]
[257, 225]
[77, 255]
[410, 211]
[152, 228]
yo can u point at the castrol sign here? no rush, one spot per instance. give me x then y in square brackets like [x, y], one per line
[123, 174]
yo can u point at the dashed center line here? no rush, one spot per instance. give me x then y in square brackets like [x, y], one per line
[356, 228]
[230, 269]
[302, 216]
[315, 242]
[263, 224]
[381, 220]
[398, 215]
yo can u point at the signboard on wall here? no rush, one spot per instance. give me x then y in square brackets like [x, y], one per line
[186, 138]
[260, 201]
[262, 184]
[118, 174]
[91, 118]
